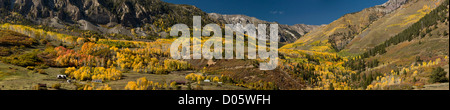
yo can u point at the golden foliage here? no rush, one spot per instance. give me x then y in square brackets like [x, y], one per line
[92, 73]
[143, 84]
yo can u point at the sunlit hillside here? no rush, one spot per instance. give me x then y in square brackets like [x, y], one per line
[399, 45]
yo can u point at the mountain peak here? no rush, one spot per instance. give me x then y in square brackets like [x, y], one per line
[392, 5]
[154, 16]
[287, 33]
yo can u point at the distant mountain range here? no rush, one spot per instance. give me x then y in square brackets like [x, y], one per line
[148, 17]
[354, 32]
[287, 33]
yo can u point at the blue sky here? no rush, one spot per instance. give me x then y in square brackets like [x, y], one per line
[314, 12]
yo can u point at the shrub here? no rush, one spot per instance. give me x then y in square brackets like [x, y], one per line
[41, 71]
[30, 67]
[438, 75]
[38, 87]
[27, 59]
[173, 85]
[42, 66]
[56, 86]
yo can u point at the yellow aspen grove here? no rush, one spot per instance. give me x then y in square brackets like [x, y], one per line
[143, 84]
[216, 79]
[91, 73]
[33, 32]
[131, 86]
[87, 87]
[104, 87]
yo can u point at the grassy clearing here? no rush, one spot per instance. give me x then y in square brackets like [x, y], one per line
[19, 78]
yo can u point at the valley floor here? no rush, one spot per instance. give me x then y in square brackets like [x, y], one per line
[19, 78]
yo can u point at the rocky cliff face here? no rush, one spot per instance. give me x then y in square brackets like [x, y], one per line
[131, 13]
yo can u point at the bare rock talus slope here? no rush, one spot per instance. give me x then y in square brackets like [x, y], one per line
[390, 25]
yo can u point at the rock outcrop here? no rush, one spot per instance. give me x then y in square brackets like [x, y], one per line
[152, 16]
